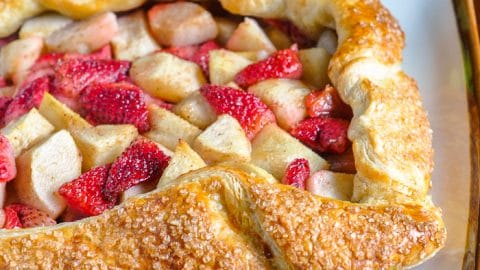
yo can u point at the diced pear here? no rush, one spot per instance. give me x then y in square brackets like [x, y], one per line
[249, 36]
[59, 115]
[181, 24]
[254, 55]
[168, 128]
[43, 25]
[103, 144]
[273, 149]
[315, 66]
[285, 97]
[26, 131]
[19, 55]
[226, 27]
[44, 168]
[224, 65]
[196, 110]
[224, 140]
[183, 160]
[84, 36]
[133, 39]
[331, 185]
[279, 39]
[138, 189]
[166, 76]
[328, 40]
[233, 85]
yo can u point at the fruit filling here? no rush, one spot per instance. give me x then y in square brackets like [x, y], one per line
[96, 111]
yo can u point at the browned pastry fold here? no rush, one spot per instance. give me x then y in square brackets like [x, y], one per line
[224, 218]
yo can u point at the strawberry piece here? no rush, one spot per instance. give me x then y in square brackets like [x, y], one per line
[323, 134]
[343, 163]
[202, 56]
[8, 170]
[85, 193]
[31, 217]
[115, 103]
[249, 110]
[327, 102]
[297, 173]
[184, 52]
[291, 30]
[12, 220]
[29, 95]
[3, 82]
[4, 101]
[280, 64]
[141, 161]
[73, 75]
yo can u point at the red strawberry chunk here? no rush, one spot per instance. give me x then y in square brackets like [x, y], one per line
[141, 161]
[249, 110]
[115, 103]
[85, 193]
[3, 82]
[12, 220]
[327, 102]
[202, 56]
[8, 170]
[73, 75]
[291, 30]
[4, 101]
[29, 95]
[281, 64]
[297, 173]
[31, 217]
[343, 163]
[323, 134]
[184, 52]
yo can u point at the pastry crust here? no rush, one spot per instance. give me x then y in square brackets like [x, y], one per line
[221, 217]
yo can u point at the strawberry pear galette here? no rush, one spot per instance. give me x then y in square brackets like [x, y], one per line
[182, 135]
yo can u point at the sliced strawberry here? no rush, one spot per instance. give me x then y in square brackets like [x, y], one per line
[85, 193]
[4, 101]
[73, 75]
[8, 171]
[12, 220]
[29, 95]
[115, 103]
[281, 64]
[30, 216]
[343, 163]
[184, 52]
[327, 102]
[201, 57]
[3, 82]
[249, 110]
[141, 161]
[323, 134]
[297, 173]
[291, 30]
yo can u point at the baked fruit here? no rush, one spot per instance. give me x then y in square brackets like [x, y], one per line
[180, 135]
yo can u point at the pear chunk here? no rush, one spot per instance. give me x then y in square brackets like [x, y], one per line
[166, 76]
[331, 185]
[181, 24]
[285, 97]
[184, 160]
[103, 144]
[168, 128]
[61, 116]
[133, 39]
[249, 36]
[18, 56]
[196, 110]
[273, 149]
[224, 140]
[43, 169]
[315, 66]
[43, 25]
[226, 27]
[224, 65]
[26, 131]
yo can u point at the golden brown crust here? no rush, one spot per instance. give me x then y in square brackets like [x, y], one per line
[14, 12]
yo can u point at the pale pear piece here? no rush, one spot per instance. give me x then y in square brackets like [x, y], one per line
[226, 27]
[254, 55]
[133, 39]
[138, 189]
[279, 39]
[249, 36]
[183, 160]
[168, 128]
[61, 116]
[233, 85]
[328, 40]
[84, 36]
[166, 76]
[181, 24]
[315, 66]
[285, 97]
[102, 144]
[43, 25]
[26, 131]
[223, 65]
[224, 140]
[196, 110]
[18, 56]
[273, 149]
[3, 197]
[43, 169]
[331, 185]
